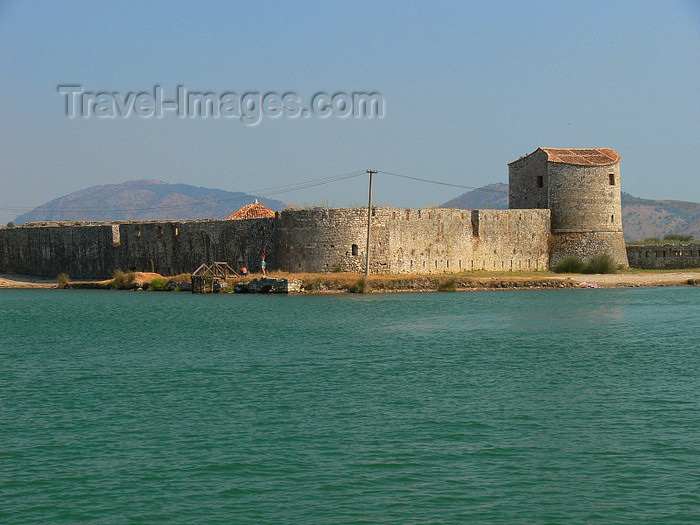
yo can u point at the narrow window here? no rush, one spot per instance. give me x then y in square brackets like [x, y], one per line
[393, 215]
[374, 211]
[611, 178]
[612, 218]
[138, 231]
[355, 249]
[408, 215]
[160, 230]
[540, 181]
[419, 214]
[177, 231]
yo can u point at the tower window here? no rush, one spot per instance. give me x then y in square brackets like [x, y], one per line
[611, 178]
[540, 181]
[612, 218]
[355, 249]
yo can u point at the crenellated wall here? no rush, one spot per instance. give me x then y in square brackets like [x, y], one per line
[412, 240]
[307, 240]
[95, 250]
[664, 256]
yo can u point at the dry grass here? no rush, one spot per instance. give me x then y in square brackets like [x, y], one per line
[181, 278]
[356, 282]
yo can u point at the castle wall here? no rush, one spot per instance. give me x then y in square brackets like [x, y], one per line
[79, 251]
[586, 212]
[94, 251]
[311, 240]
[664, 256]
[583, 200]
[322, 240]
[453, 241]
[403, 240]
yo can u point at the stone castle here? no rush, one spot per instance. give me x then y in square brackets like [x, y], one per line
[562, 202]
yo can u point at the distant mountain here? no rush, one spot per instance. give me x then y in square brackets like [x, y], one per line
[641, 218]
[491, 197]
[144, 200]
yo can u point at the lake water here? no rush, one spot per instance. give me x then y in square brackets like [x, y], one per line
[510, 407]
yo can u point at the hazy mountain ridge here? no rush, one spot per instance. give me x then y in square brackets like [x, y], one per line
[144, 200]
[152, 199]
[641, 218]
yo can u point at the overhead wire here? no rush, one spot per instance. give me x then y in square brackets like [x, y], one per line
[263, 192]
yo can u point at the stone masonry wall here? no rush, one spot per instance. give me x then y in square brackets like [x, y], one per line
[586, 212]
[582, 199]
[169, 248]
[453, 241]
[79, 251]
[309, 240]
[523, 191]
[323, 240]
[664, 256]
[412, 240]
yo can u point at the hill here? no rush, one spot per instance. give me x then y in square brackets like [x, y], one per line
[641, 218]
[491, 197]
[144, 200]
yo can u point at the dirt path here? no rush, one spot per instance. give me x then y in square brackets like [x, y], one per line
[678, 278]
[22, 281]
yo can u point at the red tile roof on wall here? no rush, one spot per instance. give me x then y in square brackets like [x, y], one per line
[582, 157]
[254, 210]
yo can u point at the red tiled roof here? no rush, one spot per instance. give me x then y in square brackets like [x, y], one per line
[251, 211]
[582, 157]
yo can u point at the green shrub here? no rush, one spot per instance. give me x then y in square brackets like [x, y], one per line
[570, 264]
[336, 269]
[450, 285]
[360, 286]
[10, 224]
[158, 284]
[601, 264]
[63, 280]
[675, 237]
[122, 280]
[651, 240]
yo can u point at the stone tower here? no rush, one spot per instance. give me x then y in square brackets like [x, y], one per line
[581, 188]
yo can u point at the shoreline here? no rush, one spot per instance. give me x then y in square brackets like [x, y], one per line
[343, 282]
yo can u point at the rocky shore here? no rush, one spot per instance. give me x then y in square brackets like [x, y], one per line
[345, 282]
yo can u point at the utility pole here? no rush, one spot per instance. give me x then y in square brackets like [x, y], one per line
[369, 220]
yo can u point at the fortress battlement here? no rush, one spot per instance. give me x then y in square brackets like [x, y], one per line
[563, 202]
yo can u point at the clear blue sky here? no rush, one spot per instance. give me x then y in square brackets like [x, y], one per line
[469, 87]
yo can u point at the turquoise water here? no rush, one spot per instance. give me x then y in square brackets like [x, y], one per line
[510, 407]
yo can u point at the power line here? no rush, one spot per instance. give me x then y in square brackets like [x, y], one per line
[263, 192]
[443, 183]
